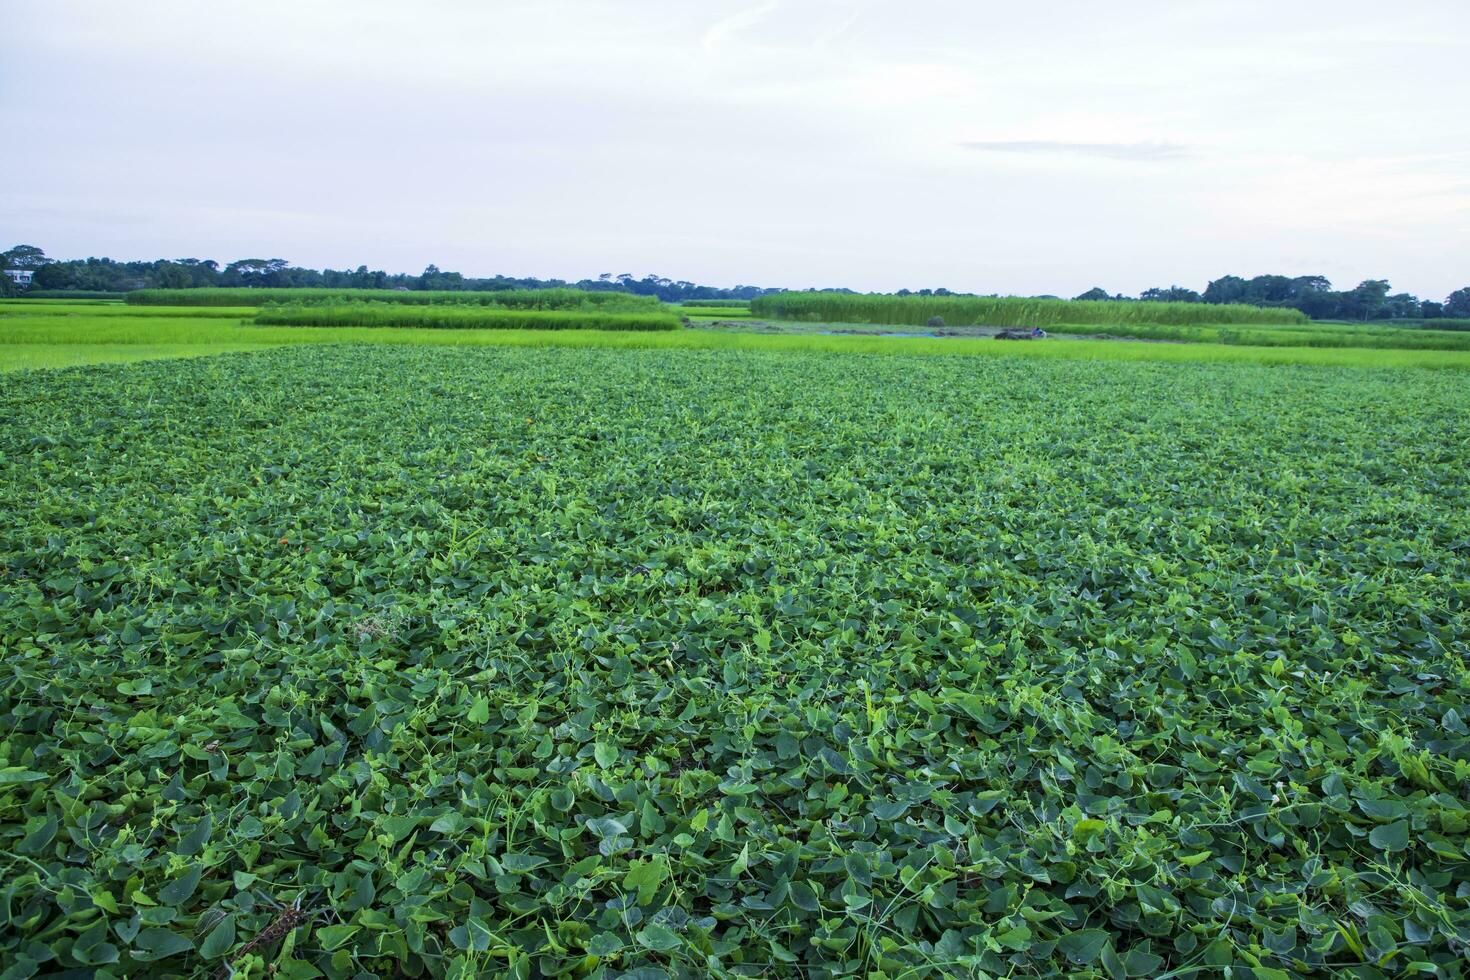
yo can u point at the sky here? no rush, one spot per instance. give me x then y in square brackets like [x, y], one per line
[1039, 148]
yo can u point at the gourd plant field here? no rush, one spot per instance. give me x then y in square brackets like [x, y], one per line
[387, 660]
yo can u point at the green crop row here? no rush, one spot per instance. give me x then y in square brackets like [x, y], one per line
[527, 299]
[461, 318]
[826, 307]
[416, 661]
[722, 312]
[31, 308]
[1300, 335]
[71, 294]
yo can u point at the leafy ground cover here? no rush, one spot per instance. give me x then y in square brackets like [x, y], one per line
[546, 662]
[38, 340]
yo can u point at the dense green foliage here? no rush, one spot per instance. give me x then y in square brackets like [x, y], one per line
[1371, 299]
[521, 299]
[443, 316]
[1001, 311]
[731, 663]
[709, 303]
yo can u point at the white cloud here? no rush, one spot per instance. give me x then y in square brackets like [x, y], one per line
[871, 144]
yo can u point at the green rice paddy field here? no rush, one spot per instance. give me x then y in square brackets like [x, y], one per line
[448, 652]
[51, 333]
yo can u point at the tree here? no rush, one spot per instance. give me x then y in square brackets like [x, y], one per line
[23, 257]
[171, 275]
[1402, 306]
[1096, 292]
[1174, 294]
[1226, 289]
[1458, 303]
[1431, 310]
[1366, 301]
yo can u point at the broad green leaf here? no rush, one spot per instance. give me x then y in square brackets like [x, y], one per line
[1391, 836]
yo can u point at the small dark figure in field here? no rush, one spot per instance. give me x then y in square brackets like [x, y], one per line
[935, 321]
[1035, 333]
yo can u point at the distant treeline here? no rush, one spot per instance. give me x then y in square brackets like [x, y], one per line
[1314, 296]
[1371, 299]
[102, 275]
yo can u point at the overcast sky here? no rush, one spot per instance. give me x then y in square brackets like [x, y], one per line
[994, 147]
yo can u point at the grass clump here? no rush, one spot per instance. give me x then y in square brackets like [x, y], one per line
[831, 307]
[443, 317]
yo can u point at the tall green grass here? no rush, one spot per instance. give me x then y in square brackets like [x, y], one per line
[461, 318]
[1010, 311]
[521, 299]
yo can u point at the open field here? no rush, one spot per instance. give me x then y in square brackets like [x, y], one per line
[26, 339]
[735, 663]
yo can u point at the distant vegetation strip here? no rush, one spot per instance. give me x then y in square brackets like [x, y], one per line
[743, 304]
[831, 307]
[521, 299]
[461, 318]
